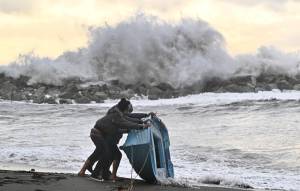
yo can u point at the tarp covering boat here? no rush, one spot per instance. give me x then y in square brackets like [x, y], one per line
[148, 151]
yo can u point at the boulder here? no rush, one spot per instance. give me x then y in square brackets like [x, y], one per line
[154, 93]
[260, 86]
[213, 84]
[169, 94]
[69, 91]
[39, 95]
[40, 91]
[83, 100]
[7, 90]
[297, 87]
[50, 100]
[164, 86]
[101, 95]
[18, 96]
[127, 93]
[114, 92]
[187, 90]
[98, 97]
[284, 85]
[22, 81]
[241, 80]
[238, 88]
[65, 101]
[266, 78]
[140, 88]
[39, 100]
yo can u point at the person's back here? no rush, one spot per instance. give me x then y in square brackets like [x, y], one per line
[106, 125]
[115, 121]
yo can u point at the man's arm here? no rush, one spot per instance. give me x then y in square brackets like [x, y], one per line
[134, 120]
[125, 124]
[138, 115]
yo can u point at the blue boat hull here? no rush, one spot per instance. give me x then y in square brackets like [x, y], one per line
[148, 152]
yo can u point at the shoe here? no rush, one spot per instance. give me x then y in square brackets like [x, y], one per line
[96, 178]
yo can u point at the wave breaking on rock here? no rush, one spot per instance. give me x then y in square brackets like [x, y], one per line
[148, 56]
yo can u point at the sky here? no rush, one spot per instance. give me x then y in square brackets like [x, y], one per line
[50, 27]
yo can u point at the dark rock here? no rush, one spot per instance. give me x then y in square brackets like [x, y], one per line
[98, 97]
[165, 86]
[98, 100]
[220, 90]
[2, 76]
[114, 82]
[127, 93]
[117, 83]
[38, 100]
[238, 88]
[114, 92]
[82, 100]
[65, 101]
[53, 91]
[213, 84]
[69, 91]
[154, 93]
[39, 95]
[292, 80]
[18, 96]
[40, 91]
[90, 90]
[140, 88]
[7, 90]
[169, 94]
[162, 90]
[101, 95]
[260, 86]
[71, 80]
[50, 100]
[264, 78]
[104, 88]
[297, 87]
[284, 85]
[22, 81]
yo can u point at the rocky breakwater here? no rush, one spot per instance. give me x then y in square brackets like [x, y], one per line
[73, 90]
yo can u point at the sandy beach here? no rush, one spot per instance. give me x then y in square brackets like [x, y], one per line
[43, 181]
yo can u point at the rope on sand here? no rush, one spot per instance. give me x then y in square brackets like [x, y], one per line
[131, 185]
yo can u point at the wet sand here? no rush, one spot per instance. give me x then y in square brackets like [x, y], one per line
[42, 181]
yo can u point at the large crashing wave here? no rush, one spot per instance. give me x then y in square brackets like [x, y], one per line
[269, 60]
[147, 49]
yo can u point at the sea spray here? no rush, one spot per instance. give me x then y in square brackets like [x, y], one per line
[269, 61]
[142, 49]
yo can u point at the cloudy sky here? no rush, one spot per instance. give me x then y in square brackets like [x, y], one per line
[50, 27]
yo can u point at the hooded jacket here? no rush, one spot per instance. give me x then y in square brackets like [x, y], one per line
[115, 121]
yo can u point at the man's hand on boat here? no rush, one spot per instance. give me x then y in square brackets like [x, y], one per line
[146, 125]
[152, 114]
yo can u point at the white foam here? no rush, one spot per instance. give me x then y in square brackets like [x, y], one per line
[213, 98]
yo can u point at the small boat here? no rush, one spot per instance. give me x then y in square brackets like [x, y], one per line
[148, 152]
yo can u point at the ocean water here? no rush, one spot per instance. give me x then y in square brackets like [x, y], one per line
[231, 138]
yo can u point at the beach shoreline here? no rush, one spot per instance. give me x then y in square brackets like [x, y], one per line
[43, 181]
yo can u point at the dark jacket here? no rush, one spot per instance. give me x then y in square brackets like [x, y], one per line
[133, 117]
[112, 123]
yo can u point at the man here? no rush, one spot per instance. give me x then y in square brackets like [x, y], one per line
[106, 134]
[114, 140]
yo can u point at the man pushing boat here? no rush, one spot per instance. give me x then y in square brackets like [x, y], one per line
[106, 134]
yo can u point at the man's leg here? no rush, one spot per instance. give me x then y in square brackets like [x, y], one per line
[117, 156]
[104, 161]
